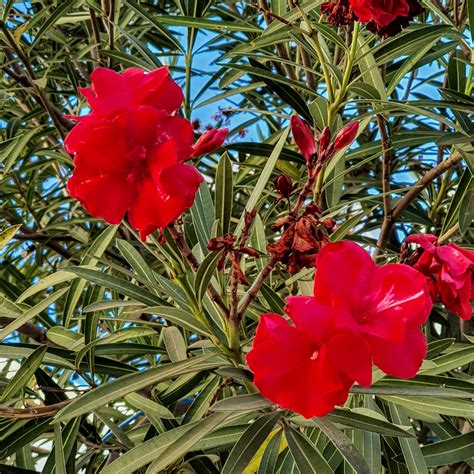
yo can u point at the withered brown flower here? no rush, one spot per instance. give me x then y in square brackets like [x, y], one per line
[301, 239]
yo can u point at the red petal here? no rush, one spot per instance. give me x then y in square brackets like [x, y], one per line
[315, 319]
[351, 354]
[398, 295]
[400, 359]
[287, 372]
[106, 196]
[343, 274]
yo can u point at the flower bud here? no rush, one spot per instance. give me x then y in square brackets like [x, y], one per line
[283, 186]
[324, 140]
[210, 141]
[303, 137]
[346, 136]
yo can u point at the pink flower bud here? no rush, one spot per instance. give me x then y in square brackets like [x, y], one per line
[303, 137]
[324, 140]
[210, 141]
[346, 136]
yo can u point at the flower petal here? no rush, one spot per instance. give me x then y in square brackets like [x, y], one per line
[351, 354]
[315, 319]
[398, 295]
[343, 274]
[400, 359]
[107, 196]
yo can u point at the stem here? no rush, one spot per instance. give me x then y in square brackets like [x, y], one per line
[314, 39]
[386, 170]
[422, 183]
[194, 264]
[347, 74]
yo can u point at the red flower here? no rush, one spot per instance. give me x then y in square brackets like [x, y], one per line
[291, 364]
[385, 306]
[381, 12]
[360, 313]
[398, 24]
[450, 272]
[129, 152]
[210, 141]
[131, 162]
[113, 92]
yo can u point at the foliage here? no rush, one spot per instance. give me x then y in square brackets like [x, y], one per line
[118, 355]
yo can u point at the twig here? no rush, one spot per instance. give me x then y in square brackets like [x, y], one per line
[33, 412]
[194, 264]
[386, 170]
[234, 278]
[444, 166]
[28, 329]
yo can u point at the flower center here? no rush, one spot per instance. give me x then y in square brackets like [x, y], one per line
[315, 354]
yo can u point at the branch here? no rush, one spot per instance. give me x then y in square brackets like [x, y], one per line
[386, 170]
[425, 181]
[194, 264]
[33, 412]
[28, 329]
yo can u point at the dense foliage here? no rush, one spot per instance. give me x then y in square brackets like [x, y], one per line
[121, 354]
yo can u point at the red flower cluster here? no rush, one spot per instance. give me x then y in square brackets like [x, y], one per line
[384, 17]
[360, 314]
[130, 151]
[449, 270]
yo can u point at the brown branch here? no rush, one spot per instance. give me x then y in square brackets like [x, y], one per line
[28, 80]
[33, 412]
[386, 171]
[425, 181]
[234, 279]
[194, 264]
[28, 329]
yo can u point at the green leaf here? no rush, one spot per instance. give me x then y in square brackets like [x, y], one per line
[202, 213]
[174, 343]
[148, 406]
[124, 287]
[248, 444]
[451, 451]
[269, 459]
[451, 361]
[343, 444]
[263, 179]
[250, 402]
[30, 313]
[204, 274]
[52, 19]
[60, 461]
[410, 448]
[224, 192]
[368, 420]
[90, 259]
[185, 442]
[47, 282]
[24, 374]
[434, 405]
[135, 260]
[8, 234]
[179, 317]
[129, 383]
[470, 12]
[306, 455]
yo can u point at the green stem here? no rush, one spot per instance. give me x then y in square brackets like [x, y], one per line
[347, 74]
